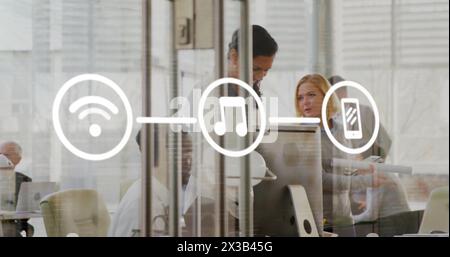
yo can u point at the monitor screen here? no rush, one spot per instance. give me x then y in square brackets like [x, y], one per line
[295, 158]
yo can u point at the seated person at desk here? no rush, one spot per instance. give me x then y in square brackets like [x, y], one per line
[309, 95]
[13, 152]
[374, 203]
[264, 52]
[125, 222]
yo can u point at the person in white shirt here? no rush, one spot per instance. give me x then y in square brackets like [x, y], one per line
[126, 219]
[125, 222]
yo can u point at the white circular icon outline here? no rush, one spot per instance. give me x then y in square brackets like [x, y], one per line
[375, 111]
[201, 119]
[57, 123]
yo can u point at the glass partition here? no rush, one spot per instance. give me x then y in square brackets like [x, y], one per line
[82, 79]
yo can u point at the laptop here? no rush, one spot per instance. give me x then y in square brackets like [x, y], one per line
[31, 193]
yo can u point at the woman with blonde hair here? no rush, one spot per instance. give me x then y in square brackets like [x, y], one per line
[311, 90]
[336, 182]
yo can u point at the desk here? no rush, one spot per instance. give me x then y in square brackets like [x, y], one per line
[9, 220]
[12, 215]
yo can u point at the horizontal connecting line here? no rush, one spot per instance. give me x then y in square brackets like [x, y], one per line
[167, 120]
[279, 120]
[191, 120]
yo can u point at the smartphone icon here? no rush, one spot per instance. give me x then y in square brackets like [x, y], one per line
[351, 118]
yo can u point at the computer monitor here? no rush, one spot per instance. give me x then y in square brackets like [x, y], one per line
[295, 158]
[31, 193]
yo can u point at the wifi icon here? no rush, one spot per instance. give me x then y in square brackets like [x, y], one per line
[94, 129]
[92, 105]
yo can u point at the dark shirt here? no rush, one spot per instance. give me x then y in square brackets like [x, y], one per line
[12, 228]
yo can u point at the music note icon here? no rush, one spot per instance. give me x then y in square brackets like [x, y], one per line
[241, 127]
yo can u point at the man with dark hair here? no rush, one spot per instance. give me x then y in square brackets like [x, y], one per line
[335, 79]
[126, 219]
[342, 91]
[264, 50]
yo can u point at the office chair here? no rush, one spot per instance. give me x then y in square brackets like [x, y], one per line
[80, 211]
[435, 217]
